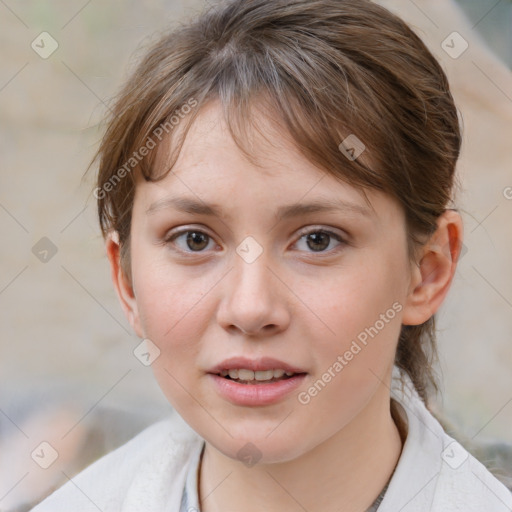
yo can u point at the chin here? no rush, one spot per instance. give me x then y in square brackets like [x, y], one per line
[257, 449]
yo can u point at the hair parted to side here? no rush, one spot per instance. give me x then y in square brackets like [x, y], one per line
[324, 69]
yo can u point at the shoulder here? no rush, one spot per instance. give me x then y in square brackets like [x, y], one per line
[435, 473]
[117, 480]
[465, 482]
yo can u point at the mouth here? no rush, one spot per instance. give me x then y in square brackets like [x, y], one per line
[253, 372]
[245, 376]
[252, 392]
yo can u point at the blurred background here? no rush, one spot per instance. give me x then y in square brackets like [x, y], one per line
[68, 374]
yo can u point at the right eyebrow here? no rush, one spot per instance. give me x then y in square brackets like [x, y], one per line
[187, 205]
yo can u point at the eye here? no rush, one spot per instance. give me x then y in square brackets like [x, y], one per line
[318, 240]
[194, 241]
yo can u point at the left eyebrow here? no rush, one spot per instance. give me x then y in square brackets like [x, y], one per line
[323, 206]
[195, 207]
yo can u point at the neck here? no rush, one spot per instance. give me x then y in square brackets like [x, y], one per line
[350, 468]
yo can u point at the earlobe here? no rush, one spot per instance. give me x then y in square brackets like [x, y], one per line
[432, 277]
[121, 282]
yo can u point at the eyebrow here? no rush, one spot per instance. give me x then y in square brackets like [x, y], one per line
[197, 207]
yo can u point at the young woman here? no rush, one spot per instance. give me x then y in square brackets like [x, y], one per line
[274, 190]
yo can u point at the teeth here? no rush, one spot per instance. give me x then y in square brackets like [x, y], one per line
[233, 374]
[248, 375]
[245, 374]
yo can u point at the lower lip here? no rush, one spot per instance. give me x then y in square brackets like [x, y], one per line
[256, 394]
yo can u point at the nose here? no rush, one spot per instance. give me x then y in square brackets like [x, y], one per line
[254, 300]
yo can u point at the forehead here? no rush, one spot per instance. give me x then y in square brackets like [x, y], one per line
[211, 155]
[212, 174]
[263, 138]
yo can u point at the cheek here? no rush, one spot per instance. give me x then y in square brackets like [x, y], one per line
[361, 315]
[169, 298]
[174, 313]
[364, 313]
[356, 300]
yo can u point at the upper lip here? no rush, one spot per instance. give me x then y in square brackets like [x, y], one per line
[261, 364]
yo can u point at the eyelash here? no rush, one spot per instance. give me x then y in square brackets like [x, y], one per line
[169, 240]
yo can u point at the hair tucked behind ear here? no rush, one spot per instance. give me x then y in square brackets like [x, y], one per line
[416, 354]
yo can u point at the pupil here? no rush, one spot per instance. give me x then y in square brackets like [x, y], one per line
[195, 238]
[318, 238]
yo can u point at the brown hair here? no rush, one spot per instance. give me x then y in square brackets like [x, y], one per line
[325, 69]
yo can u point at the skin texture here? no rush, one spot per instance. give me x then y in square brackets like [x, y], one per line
[293, 303]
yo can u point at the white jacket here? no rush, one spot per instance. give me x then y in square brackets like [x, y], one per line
[148, 473]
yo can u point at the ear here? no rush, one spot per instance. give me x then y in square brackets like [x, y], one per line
[122, 284]
[432, 277]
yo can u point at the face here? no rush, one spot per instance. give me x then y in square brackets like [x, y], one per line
[319, 289]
